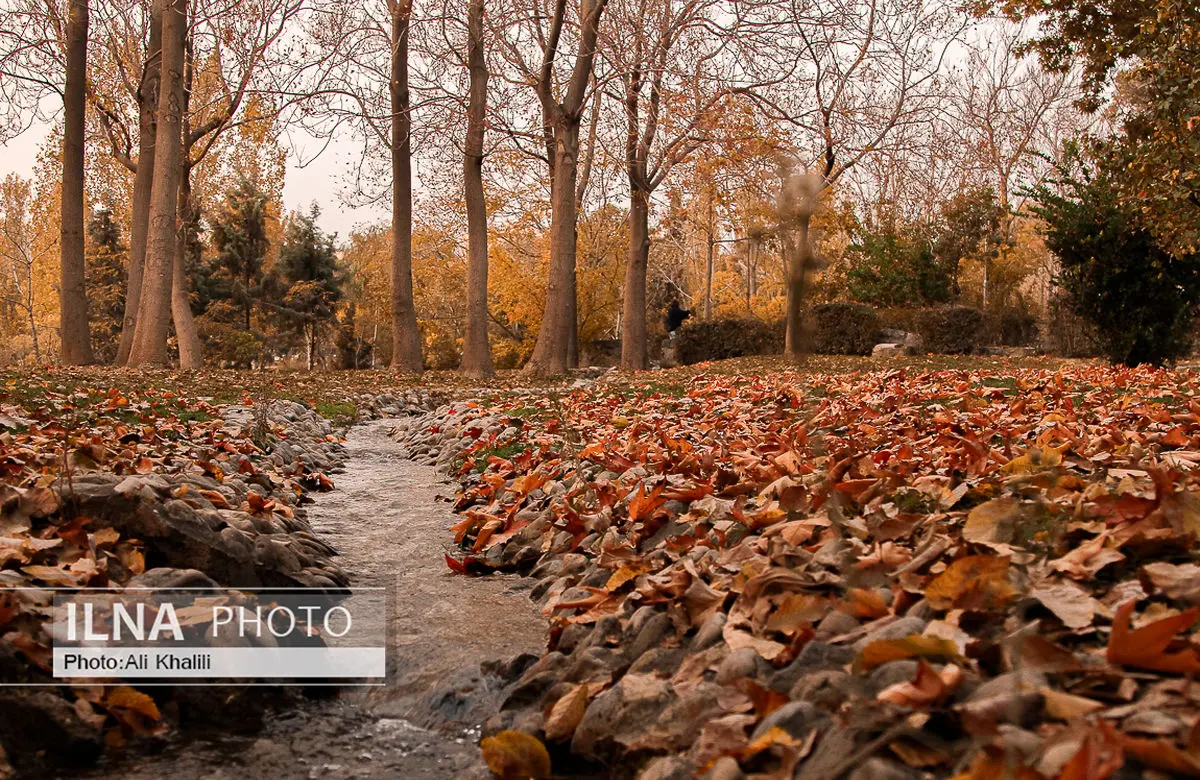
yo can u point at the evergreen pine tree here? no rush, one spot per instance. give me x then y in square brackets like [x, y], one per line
[106, 262]
[239, 236]
[308, 269]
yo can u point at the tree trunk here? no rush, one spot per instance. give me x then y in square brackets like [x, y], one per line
[801, 258]
[708, 269]
[140, 222]
[406, 338]
[310, 339]
[477, 354]
[552, 352]
[633, 314]
[191, 349]
[154, 308]
[76, 338]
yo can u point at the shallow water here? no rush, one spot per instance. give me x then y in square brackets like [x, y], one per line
[388, 519]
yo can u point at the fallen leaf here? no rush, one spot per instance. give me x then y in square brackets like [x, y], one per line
[515, 755]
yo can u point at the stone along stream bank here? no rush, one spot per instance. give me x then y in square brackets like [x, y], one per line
[455, 641]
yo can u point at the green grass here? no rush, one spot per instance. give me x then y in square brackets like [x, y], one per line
[338, 411]
[505, 451]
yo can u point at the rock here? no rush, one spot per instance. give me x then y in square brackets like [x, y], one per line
[618, 716]
[668, 768]
[796, 718]
[897, 629]
[1022, 680]
[710, 632]
[653, 632]
[725, 768]
[663, 661]
[164, 577]
[743, 662]
[887, 350]
[892, 673]
[829, 689]
[877, 768]
[45, 727]
[834, 624]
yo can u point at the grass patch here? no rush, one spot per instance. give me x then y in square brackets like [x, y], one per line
[505, 451]
[338, 411]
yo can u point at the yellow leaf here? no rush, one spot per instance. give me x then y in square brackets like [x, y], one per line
[916, 646]
[993, 521]
[566, 713]
[514, 755]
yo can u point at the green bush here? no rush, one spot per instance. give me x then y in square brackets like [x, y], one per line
[843, 328]
[952, 330]
[1139, 299]
[727, 338]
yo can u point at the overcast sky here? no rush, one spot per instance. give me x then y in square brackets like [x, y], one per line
[319, 182]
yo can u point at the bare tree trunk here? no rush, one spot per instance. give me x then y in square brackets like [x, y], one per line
[154, 309]
[310, 338]
[406, 338]
[552, 352]
[191, 349]
[76, 338]
[140, 222]
[477, 354]
[801, 261]
[633, 315]
[709, 231]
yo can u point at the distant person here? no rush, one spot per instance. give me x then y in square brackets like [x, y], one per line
[676, 315]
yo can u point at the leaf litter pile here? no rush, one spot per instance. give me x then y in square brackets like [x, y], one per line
[977, 574]
[108, 484]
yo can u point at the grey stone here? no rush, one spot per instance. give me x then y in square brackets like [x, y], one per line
[710, 632]
[164, 577]
[743, 662]
[795, 717]
[834, 624]
[897, 629]
[668, 768]
[1019, 681]
[876, 768]
[725, 768]
[892, 673]
[887, 350]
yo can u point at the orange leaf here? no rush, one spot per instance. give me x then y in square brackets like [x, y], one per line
[1146, 647]
[974, 582]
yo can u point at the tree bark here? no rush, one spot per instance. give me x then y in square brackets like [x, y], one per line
[154, 307]
[477, 354]
[709, 234]
[557, 346]
[406, 338]
[143, 178]
[633, 314]
[552, 352]
[76, 338]
[191, 349]
[801, 261]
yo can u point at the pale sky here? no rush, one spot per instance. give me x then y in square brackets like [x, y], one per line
[320, 181]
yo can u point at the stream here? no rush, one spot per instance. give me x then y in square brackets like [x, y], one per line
[387, 519]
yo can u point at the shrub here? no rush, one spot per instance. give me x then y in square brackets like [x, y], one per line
[900, 319]
[952, 330]
[843, 328]
[1140, 300]
[727, 338]
[1016, 328]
